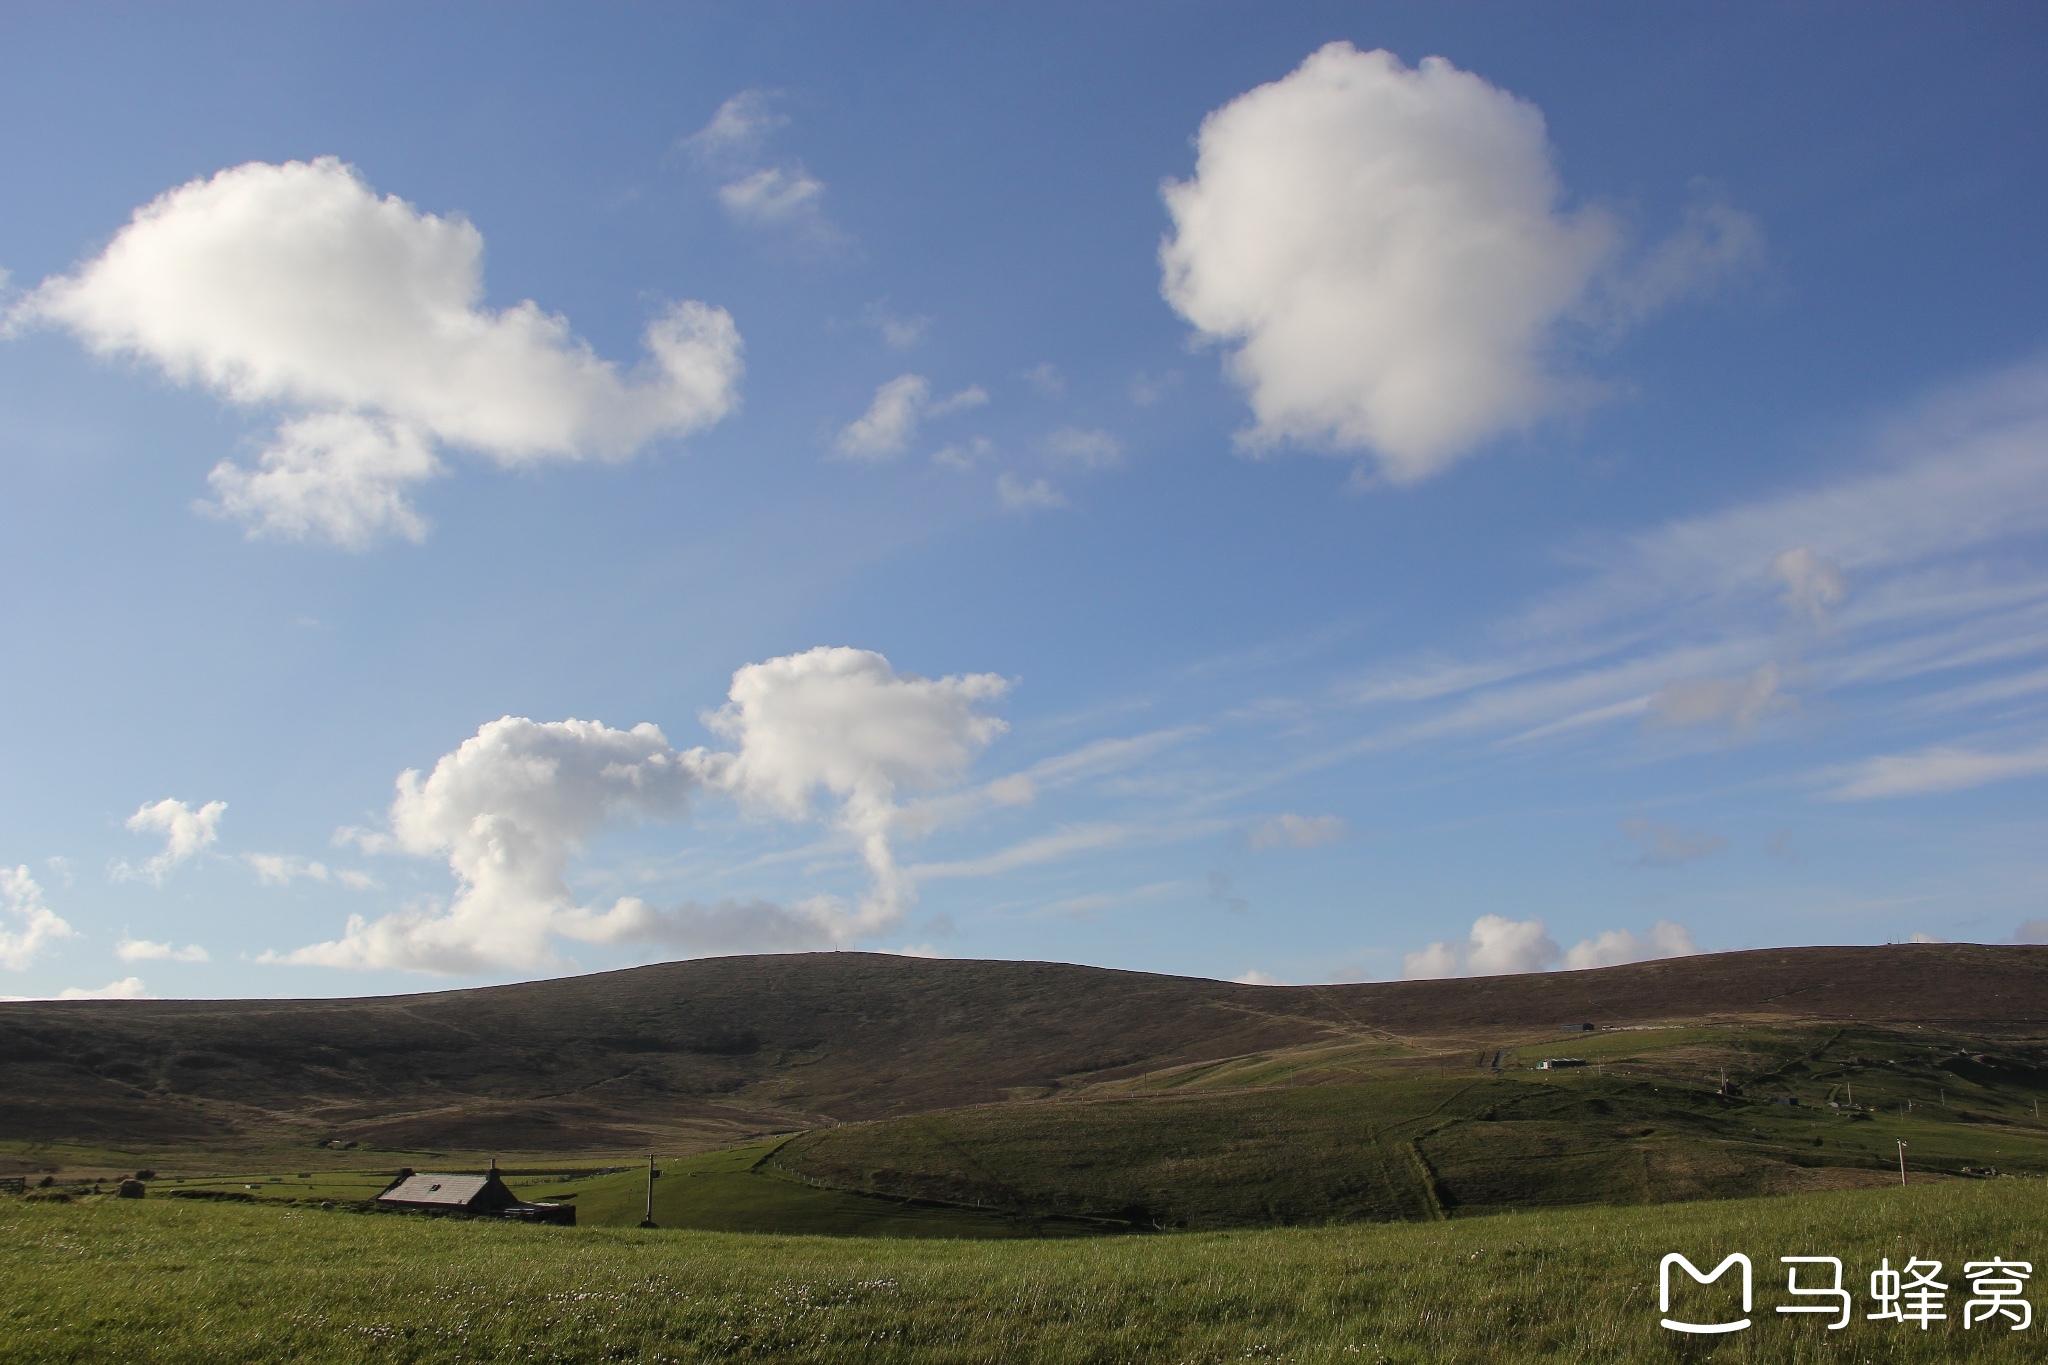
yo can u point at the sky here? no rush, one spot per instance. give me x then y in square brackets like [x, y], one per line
[1285, 493]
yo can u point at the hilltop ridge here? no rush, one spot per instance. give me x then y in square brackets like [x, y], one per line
[712, 1049]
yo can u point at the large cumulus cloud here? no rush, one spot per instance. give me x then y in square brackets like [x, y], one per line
[512, 805]
[1387, 252]
[298, 286]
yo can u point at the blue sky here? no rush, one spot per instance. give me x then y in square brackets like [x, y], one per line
[1194, 488]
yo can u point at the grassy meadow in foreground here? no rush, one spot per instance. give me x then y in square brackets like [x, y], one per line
[178, 1280]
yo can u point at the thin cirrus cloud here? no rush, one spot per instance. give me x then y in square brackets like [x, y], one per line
[1289, 830]
[1901, 594]
[1499, 946]
[297, 286]
[282, 869]
[891, 422]
[513, 804]
[1939, 769]
[1385, 251]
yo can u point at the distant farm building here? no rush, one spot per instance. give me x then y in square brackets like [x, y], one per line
[470, 1196]
[1559, 1063]
[1580, 1028]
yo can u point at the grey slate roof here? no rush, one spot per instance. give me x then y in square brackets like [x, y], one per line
[439, 1191]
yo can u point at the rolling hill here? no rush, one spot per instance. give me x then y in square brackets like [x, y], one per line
[720, 1047]
[1040, 1091]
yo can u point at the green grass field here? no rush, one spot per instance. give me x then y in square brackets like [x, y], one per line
[1408, 1143]
[172, 1280]
[730, 1191]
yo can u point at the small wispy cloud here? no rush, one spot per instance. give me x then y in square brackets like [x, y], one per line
[1018, 496]
[282, 869]
[755, 190]
[1045, 377]
[1084, 448]
[1939, 769]
[1297, 831]
[186, 833]
[891, 422]
[127, 988]
[1658, 845]
[899, 333]
[142, 950]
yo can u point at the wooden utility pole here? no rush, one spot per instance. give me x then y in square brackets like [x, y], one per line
[648, 1221]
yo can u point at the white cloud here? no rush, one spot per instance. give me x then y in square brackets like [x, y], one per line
[897, 333]
[1046, 378]
[1813, 586]
[1064, 842]
[973, 396]
[1960, 471]
[39, 924]
[1147, 389]
[1922, 936]
[1297, 831]
[1940, 769]
[1616, 947]
[740, 126]
[1683, 622]
[1384, 245]
[1086, 449]
[340, 477]
[774, 194]
[1019, 496]
[127, 988]
[1738, 702]
[780, 194]
[297, 285]
[1667, 845]
[886, 429]
[1497, 946]
[142, 950]
[964, 455]
[1714, 242]
[1089, 905]
[187, 833]
[511, 806]
[1438, 960]
[281, 869]
[843, 722]
[1255, 977]
[507, 809]
[1385, 250]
